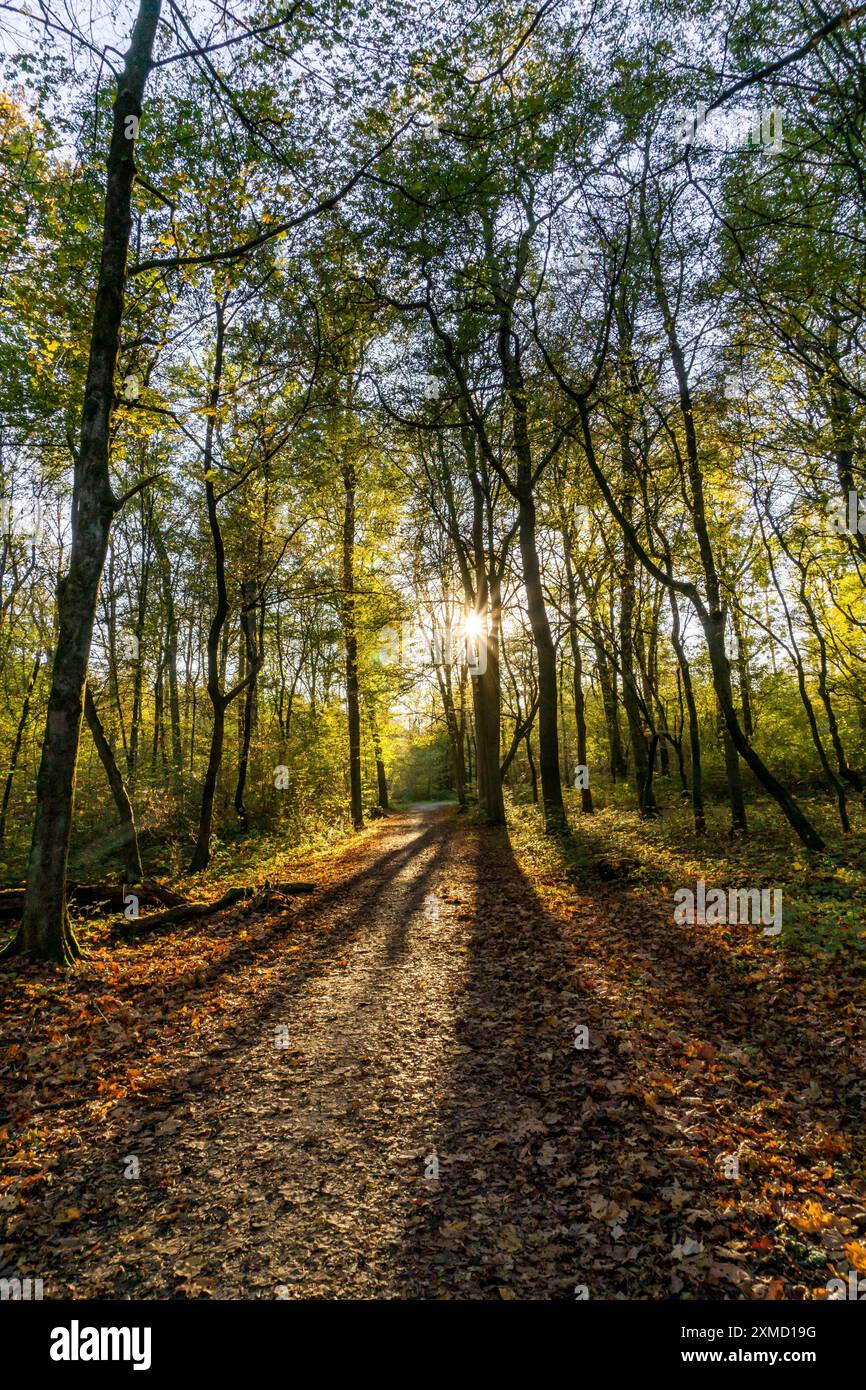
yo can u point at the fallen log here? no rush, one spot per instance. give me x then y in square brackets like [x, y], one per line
[110, 897]
[260, 897]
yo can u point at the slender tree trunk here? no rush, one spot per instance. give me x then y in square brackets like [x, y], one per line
[158, 740]
[743, 673]
[138, 678]
[532, 772]
[170, 654]
[252, 662]
[469, 768]
[577, 673]
[739, 821]
[486, 696]
[834, 783]
[712, 622]
[201, 853]
[216, 647]
[522, 730]
[555, 822]
[16, 747]
[694, 723]
[455, 736]
[509, 352]
[381, 778]
[350, 639]
[486, 687]
[712, 615]
[846, 772]
[626, 659]
[607, 681]
[45, 933]
[648, 795]
[133, 872]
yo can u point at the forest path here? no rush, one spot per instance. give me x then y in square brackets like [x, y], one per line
[405, 1018]
[288, 1086]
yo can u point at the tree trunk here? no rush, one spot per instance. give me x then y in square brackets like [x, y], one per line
[138, 679]
[350, 639]
[607, 681]
[691, 707]
[555, 822]
[16, 747]
[626, 648]
[532, 772]
[253, 654]
[215, 643]
[577, 676]
[712, 623]
[739, 822]
[743, 673]
[45, 933]
[455, 736]
[170, 654]
[133, 873]
[712, 615]
[381, 778]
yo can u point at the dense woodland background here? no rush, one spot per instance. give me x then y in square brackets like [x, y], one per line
[439, 346]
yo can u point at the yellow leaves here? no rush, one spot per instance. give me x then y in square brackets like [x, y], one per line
[812, 1219]
[110, 1089]
[66, 1215]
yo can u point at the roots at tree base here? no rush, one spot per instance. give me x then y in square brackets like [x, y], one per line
[57, 947]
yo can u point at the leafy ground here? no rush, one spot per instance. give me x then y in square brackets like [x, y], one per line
[289, 1083]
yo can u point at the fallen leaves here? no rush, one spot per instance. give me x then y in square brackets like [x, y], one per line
[685, 1152]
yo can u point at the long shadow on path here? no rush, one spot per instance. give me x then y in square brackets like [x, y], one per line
[558, 1175]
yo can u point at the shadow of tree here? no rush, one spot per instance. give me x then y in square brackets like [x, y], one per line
[562, 1167]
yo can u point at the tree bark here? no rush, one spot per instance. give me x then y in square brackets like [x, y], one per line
[253, 656]
[577, 671]
[170, 654]
[381, 777]
[626, 658]
[16, 747]
[350, 641]
[712, 622]
[219, 699]
[691, 707]
[133, 871]
[45, 933]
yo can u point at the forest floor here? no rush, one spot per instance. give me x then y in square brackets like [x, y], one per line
[381, 1092]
